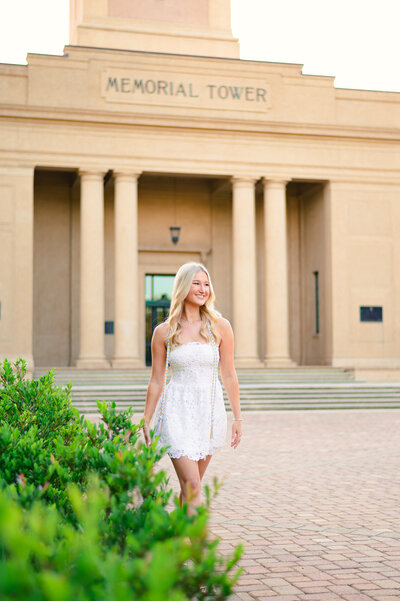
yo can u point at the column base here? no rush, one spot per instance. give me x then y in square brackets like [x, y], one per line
[92, 363]
[279, 362]
[248, 362]
[127, 363]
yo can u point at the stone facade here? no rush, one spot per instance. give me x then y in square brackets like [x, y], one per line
[280, 182]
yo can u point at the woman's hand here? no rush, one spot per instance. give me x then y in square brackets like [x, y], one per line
[236, 433]
[146, 434]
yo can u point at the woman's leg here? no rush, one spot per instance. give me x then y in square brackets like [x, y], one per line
[203, 464]
[190, 481]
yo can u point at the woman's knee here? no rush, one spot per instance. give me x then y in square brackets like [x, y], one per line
[191, 485]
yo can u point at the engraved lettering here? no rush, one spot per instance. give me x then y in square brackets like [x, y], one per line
[180, 90]
[232, 95]
[191, 91]
[124, 84]
[261, 93]
[223, 92]
[249, 93]
[138, 85]
[162, 85]
[150, 86]
[236, 92]
[211, 89]
[112, 83]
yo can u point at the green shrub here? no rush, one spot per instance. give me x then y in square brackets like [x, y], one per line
[91, 508]
[46, 558]
[43, 438]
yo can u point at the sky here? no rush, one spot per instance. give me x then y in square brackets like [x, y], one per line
[356, 41]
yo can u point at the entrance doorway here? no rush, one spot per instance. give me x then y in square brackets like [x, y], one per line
[158, 291]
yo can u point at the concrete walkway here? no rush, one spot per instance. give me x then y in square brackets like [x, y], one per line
[315, 499]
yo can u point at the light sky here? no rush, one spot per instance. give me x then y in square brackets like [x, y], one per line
[357, 41]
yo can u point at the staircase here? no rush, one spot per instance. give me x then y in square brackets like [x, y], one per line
[260, 389]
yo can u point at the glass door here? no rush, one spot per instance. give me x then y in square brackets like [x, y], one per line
[158, 290]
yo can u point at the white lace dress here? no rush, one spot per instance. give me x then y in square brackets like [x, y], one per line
[186, 423]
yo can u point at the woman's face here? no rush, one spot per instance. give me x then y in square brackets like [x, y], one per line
[199, 290]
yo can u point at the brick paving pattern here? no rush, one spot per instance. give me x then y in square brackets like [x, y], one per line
[314, 496]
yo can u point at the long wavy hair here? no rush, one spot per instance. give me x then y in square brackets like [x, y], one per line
[182, 283]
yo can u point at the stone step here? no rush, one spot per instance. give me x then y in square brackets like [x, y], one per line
[309, 401]
[138, 408]
[262, 401]
[260, 389]
[145, 377]
[147, 370]
[258, 398]
[261, 386]
[254, 376]
[136, 391]
[264, 388]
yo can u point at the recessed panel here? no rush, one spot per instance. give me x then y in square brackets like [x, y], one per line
[6, 204]
[6, 284]
[191, 12]
[370, 262]
[370, 216]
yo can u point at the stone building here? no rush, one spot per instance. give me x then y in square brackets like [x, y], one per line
[287, 188]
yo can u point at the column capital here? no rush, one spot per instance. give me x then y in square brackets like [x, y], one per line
[127, 174]
[92, 173]
[243, 179]
[275, 181]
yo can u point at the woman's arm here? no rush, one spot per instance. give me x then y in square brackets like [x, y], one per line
[156, 383]
[229, 377]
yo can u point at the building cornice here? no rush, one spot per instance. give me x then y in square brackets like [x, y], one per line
[253, 126]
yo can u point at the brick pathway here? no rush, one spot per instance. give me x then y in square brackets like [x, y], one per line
[315, 498]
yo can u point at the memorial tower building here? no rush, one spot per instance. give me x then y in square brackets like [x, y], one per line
[150, 143]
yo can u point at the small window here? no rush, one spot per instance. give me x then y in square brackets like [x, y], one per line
[316, 293]
[109, 327]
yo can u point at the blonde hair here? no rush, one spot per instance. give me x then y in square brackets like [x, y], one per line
[182, 284]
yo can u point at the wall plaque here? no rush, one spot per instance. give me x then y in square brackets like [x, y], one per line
[371, 314]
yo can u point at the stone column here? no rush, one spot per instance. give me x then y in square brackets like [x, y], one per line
[244, 272]
[126, 326]
[276, 339]
[16, 263]
[91, 349]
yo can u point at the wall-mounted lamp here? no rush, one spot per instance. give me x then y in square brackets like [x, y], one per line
[175, 230]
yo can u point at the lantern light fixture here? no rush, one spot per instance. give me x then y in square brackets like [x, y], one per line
[175, 230]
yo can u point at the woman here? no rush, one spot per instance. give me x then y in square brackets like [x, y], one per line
[190, 415]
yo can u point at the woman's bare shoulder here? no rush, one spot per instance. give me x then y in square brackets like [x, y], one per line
[160, 333]
[223, 327]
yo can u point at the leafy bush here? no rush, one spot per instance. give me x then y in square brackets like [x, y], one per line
[43, 437]
[83, 512]
[46, 558]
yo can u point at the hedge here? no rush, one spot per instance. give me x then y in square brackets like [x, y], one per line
[85, 512]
